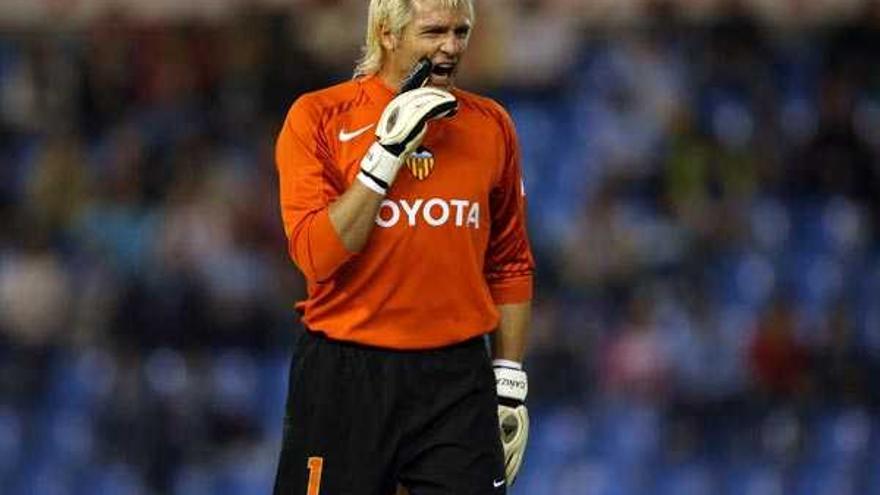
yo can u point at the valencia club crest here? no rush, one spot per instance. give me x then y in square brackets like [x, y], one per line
[420, 163]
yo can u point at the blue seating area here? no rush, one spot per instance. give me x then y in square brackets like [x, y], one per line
[843, 462]
[57, 448]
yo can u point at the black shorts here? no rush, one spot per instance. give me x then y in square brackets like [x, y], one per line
[360, 420]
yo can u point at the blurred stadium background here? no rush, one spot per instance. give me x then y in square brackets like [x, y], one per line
[704, 195]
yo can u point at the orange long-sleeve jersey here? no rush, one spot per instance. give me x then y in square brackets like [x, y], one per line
[450, 238]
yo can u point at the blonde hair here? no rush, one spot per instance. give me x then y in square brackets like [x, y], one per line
[393, 15]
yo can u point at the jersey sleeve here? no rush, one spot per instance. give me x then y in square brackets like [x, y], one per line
[308, 183]
[509, 267]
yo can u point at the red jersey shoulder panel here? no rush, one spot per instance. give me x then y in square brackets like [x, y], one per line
[486, 106]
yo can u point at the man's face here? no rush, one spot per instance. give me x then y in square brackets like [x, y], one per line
[435, 32]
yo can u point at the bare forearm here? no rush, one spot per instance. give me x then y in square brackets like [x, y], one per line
[353, 215]
[509, 341]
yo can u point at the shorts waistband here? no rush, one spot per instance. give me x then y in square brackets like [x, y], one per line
[322, 336]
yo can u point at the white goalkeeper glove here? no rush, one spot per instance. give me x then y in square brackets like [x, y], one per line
[512, 385]
[399, 132]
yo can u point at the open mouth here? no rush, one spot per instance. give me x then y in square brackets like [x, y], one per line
[443, 70]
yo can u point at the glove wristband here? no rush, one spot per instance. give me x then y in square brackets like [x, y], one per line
[372, 183]
[506, 363]
[511, 384]
[380, 163]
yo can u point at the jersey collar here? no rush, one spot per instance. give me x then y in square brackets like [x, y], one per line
[377, 90]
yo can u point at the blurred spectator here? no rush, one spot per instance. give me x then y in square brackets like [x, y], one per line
[778, 361]
[57, 186]
[841, 365]
[35, 292]
[600, 251]
[636, 362]
[837, 161]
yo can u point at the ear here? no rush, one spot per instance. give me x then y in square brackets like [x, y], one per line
[389, 40]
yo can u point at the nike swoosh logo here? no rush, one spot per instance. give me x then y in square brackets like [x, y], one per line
[497, 483]
[348, 136]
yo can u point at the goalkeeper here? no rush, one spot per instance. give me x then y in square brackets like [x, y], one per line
[403, 205]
